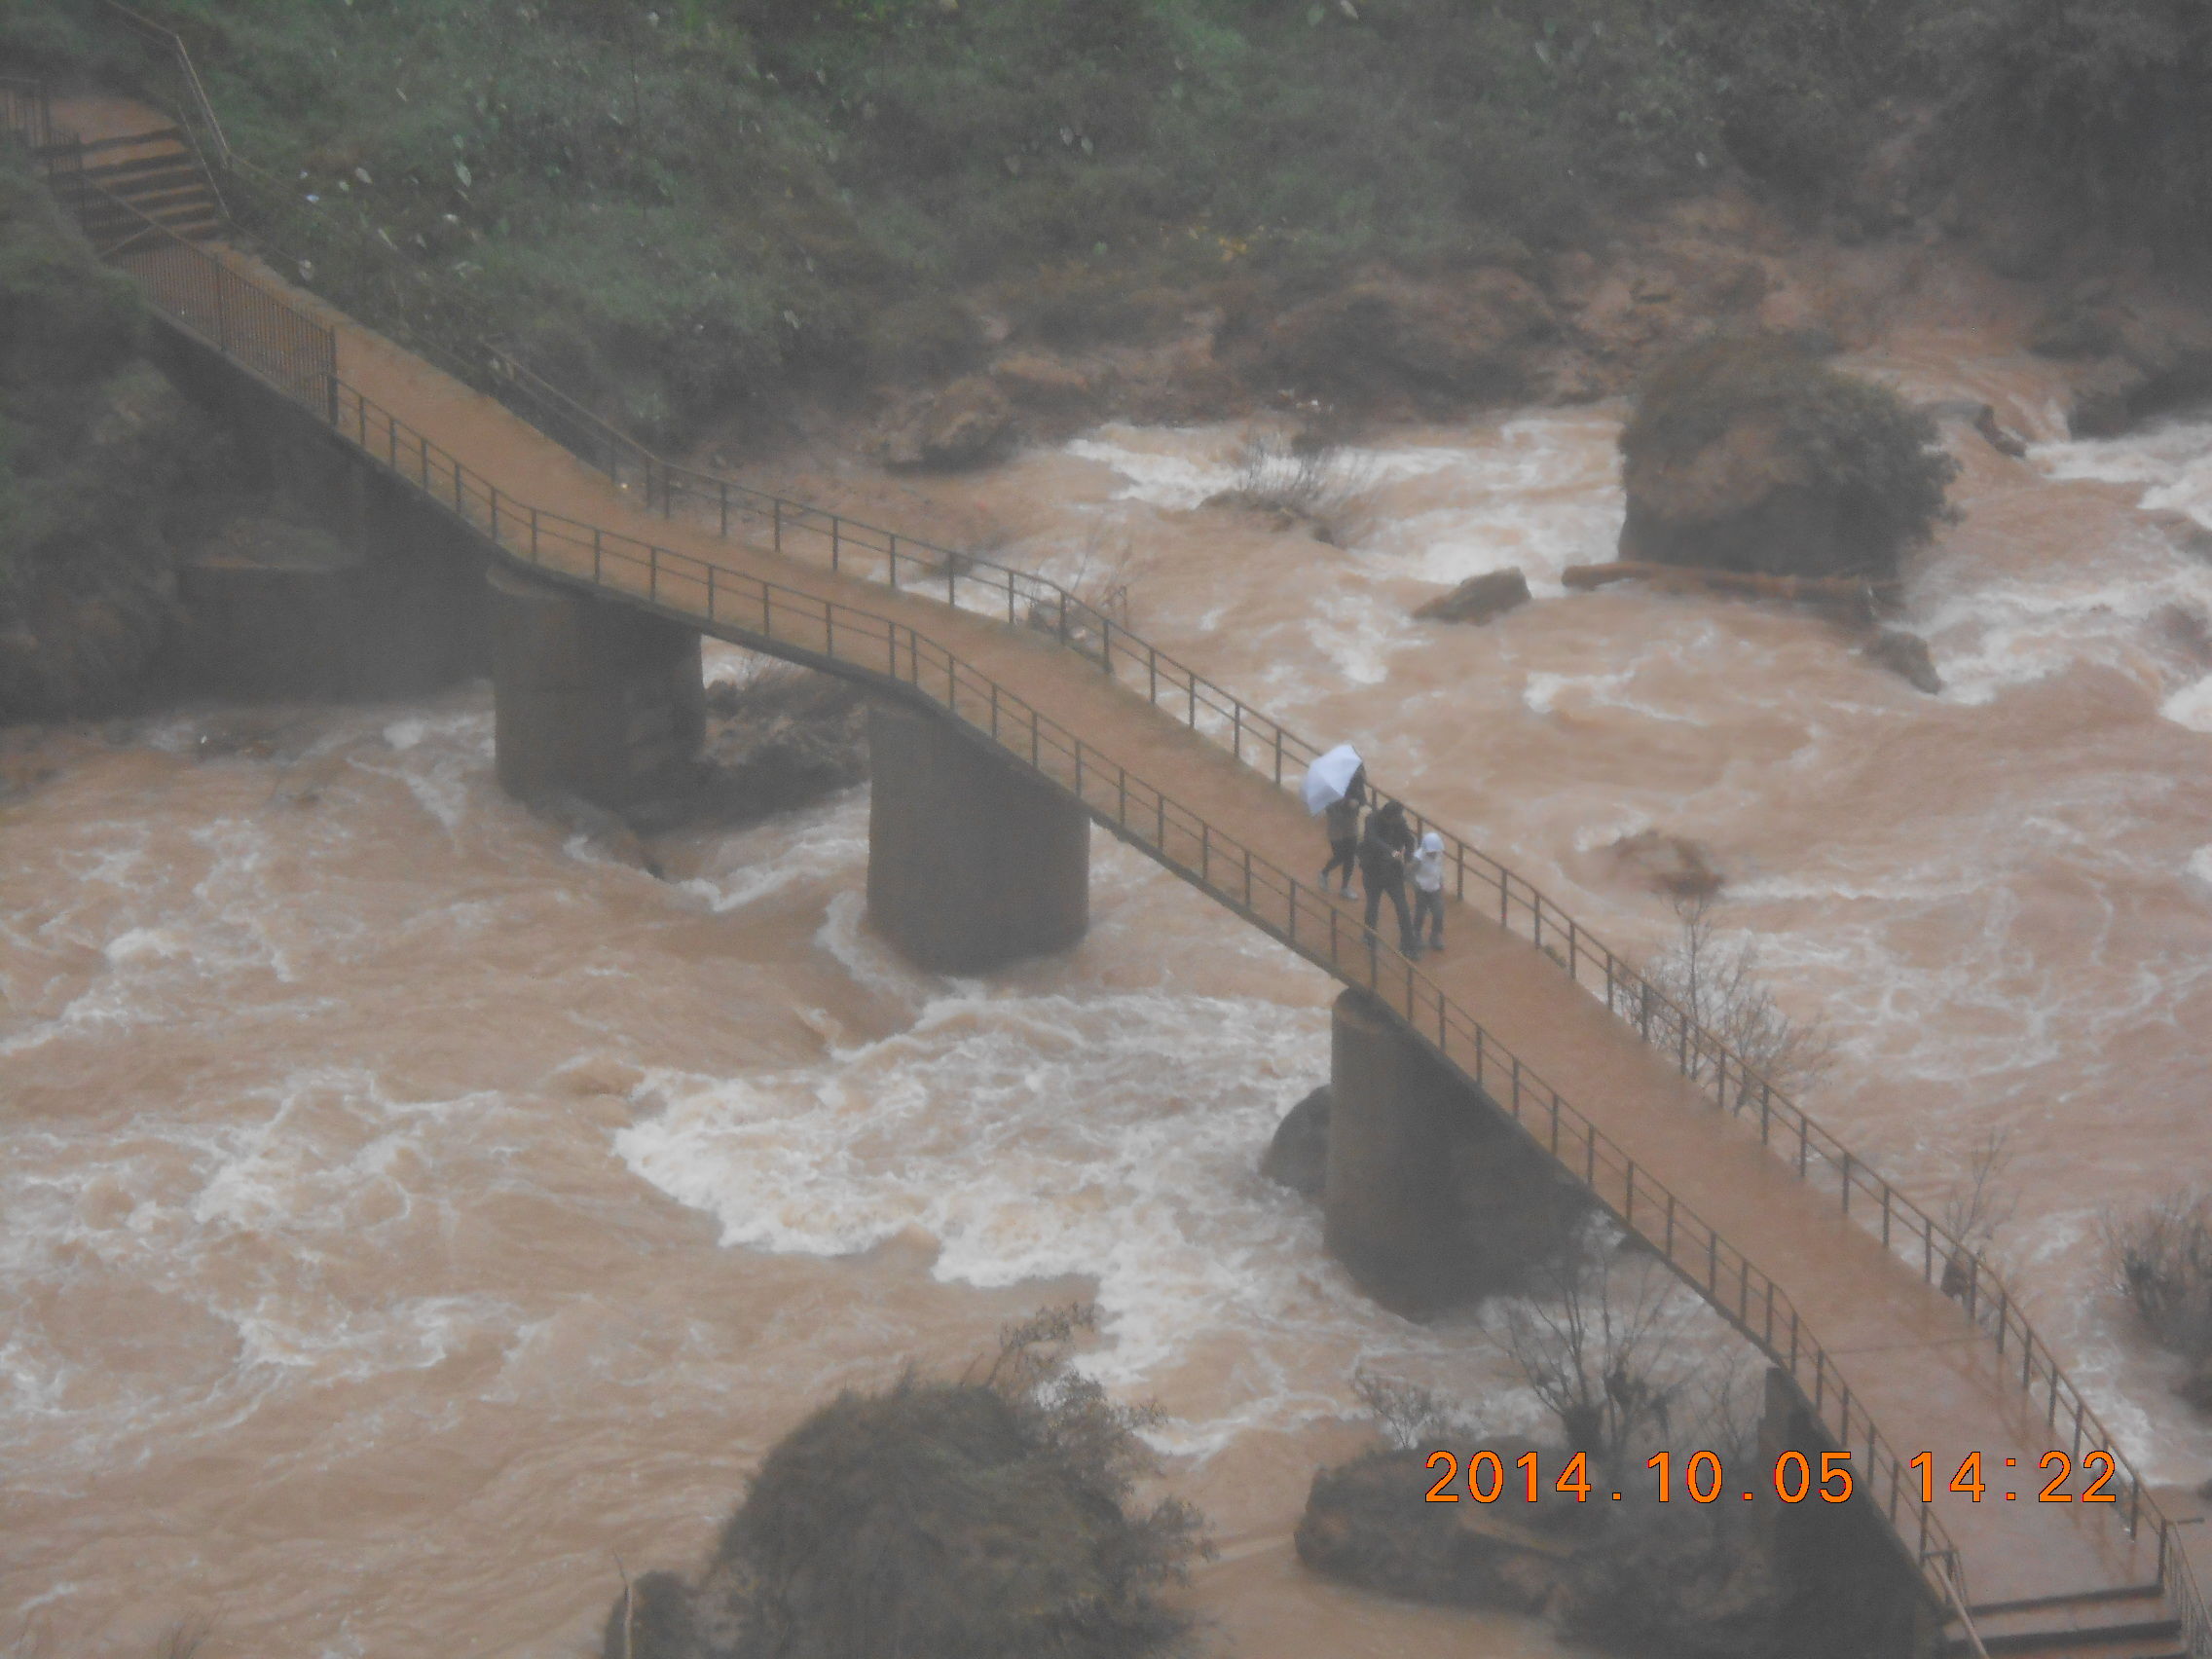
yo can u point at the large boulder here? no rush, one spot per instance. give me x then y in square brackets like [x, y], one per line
[1298, 1157]
[990, 1519]
[966, 424]
[1906, 656]
[1365, 1525]
[2196, 1385]
[1479, 599]
[1471, 340]
[1750, 455]
[2137, 354]
[1632, 1577]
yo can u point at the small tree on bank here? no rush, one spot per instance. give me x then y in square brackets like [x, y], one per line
[2162, 1261]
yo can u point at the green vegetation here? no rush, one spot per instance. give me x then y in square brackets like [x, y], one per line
[678, 205]
[95, 449]
[2109, 106]
[2162, 1259]
[1830, 475]
[984, 1519]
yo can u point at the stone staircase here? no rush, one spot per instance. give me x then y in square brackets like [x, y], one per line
[2124, 1623]
[151, 175]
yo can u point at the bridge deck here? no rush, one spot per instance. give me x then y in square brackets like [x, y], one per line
[1913, 1360]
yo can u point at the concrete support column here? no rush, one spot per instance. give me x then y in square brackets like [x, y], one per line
[1854, 1582]
[592, 698]
[1432, 1195]
[972, 861]
[1390, 1213]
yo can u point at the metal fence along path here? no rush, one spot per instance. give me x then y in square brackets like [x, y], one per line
[781, 585]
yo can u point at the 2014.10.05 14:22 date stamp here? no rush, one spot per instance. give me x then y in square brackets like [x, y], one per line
[1793, 1476]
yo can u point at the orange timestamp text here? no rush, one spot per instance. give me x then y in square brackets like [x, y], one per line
[1794, 1477]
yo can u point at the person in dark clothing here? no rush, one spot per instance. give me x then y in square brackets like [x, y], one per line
[1383, 853]
[1343, 824]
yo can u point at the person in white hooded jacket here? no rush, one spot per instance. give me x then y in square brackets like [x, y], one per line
[1428, 888]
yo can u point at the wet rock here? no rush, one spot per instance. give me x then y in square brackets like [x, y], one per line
[1633, 1580]
[1298, 1156]
[1742, 498]
[1463, 341]
[2185, 532]
[1478, 599]
[2139, 355]
[602, 832]
[1036, 380]
[1746, 455]
[1906, 656]
[937, 1521]
[2187, 632]
[1999, 439]
[2197, 1386]
[966, 424]
[1364, 1525]
[2105, 398]
[1670, 865]
[259, 735]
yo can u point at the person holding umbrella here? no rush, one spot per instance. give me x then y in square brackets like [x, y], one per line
[1336, 785]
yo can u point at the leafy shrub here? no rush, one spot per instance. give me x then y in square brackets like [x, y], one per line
[1865, 462]
[2161, 1257]
[2109, 105]
[1328, 486]
[1796, 84]
[983, 1519]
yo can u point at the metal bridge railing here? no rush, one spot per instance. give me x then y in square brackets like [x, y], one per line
[793, 623]
[27, 112]
[172, 64]
[296, 354]
[1818, 1157]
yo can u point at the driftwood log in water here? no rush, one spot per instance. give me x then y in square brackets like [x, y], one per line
[1827, 590]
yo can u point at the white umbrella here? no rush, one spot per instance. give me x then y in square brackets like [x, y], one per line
[1329, 777]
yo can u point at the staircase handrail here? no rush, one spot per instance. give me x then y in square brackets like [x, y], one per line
[2038, 1365]
[200, 110]
[26, 111]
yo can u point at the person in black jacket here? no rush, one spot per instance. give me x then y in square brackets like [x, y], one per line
[1383, 854]
[1344, 831]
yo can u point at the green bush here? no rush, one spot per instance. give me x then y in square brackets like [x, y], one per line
[1858, 468]
[702, 199]
[2109, 105]
[696, 208]
[984, 1519]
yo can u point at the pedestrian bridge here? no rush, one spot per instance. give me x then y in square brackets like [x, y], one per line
[1888, 1338]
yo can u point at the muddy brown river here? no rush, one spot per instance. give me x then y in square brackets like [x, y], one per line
[406, 1213]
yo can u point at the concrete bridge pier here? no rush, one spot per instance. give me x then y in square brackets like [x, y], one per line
[1854, 1583]
[973, 861]
[1432, 1195]
[591, 698]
